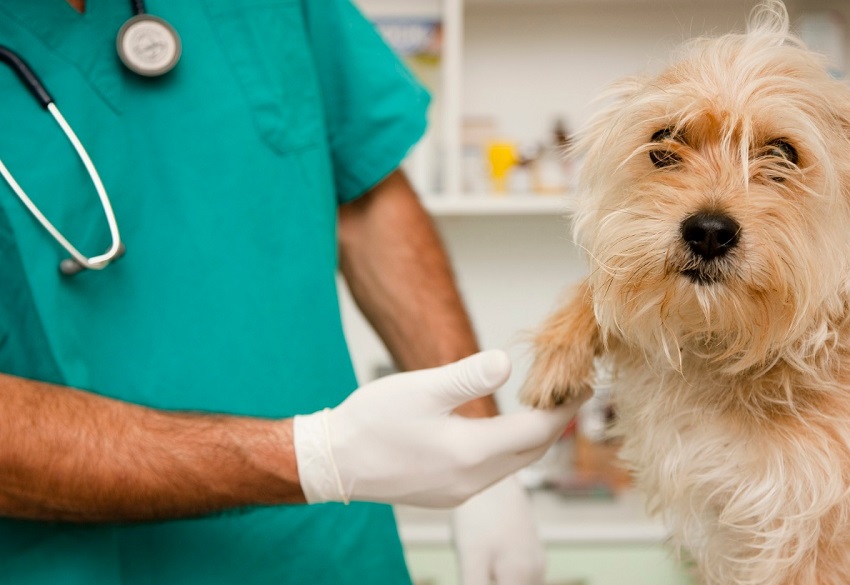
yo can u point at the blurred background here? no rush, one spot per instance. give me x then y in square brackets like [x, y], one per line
[511, 81]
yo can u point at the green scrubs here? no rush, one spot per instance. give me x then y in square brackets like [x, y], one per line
[225, 176]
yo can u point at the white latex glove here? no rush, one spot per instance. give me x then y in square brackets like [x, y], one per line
[395, 440]
[496, 538]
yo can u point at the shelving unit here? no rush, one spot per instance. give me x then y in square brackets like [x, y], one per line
[495, 205]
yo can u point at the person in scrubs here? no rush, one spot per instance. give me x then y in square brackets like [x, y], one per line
[149, 412]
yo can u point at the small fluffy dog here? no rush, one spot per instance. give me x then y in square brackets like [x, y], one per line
[714, 205]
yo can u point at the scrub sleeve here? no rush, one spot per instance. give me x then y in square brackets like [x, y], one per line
[225, 176]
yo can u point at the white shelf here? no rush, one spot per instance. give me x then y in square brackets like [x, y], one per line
[487, 205]
[559, 521]
[596, 3]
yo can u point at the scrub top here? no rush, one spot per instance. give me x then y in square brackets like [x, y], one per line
[225, 176]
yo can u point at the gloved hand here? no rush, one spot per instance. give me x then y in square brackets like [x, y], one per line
[395, 440]
[496, 538]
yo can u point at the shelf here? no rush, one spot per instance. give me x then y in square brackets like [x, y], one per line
[592, 3]
[487, 205]
[559, 521]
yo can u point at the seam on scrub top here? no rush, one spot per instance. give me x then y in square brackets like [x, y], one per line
[249, 4]
[83, 74]
[36, 310]
[392, 151]
[280, 150]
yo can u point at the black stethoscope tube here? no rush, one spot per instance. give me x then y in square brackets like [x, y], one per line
[138, 6]
[26, 75]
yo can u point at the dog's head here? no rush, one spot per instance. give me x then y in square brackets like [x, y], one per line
[715, 199]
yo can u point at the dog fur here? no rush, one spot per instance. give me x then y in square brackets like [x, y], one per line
[732, 373]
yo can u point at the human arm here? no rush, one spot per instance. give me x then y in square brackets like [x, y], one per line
[398, 272]
[70, 455]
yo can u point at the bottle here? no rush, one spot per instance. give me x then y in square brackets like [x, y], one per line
[552, 169]
[550, 172]
[502, 157]
[523, 174]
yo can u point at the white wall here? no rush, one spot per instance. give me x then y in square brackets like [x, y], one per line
[527, 65]
[529, 62]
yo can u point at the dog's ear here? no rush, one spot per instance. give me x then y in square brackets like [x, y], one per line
[840, 101]
[768, 27]
[843, 115]
[769, 22]
[835, 95]
[843, 112]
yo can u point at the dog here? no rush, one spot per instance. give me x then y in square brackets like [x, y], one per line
[714, 207]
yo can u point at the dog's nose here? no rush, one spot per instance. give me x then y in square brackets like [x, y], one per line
[710, 235]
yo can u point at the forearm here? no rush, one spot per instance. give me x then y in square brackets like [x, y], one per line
[69, 455]
[401, 278]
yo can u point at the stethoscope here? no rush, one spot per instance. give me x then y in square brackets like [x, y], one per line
[148, 46]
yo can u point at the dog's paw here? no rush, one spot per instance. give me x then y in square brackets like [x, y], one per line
[564, 353]
[557, 375]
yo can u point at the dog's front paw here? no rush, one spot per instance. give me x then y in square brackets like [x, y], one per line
[557, 375]
[565, 349]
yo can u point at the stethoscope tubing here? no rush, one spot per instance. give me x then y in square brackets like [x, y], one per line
[134, 61]
[77, 261]
[26, 75]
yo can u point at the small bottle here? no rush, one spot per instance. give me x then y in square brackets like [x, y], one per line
[502, 157]
[550, 172]
[564, 141]
[523, 175]
[552, 166]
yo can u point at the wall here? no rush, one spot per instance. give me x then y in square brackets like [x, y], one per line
[510, 271]
[528, 62]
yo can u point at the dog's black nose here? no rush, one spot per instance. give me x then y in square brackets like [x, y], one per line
[710, 235]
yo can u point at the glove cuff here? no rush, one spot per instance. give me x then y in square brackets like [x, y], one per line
[317, 470]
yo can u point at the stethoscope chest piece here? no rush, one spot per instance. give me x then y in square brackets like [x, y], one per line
[148, 45]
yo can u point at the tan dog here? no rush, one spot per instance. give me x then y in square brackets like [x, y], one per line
[715, 208]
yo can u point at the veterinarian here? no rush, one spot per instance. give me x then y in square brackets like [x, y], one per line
[238, 181]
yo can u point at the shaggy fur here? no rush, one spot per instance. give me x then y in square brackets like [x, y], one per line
[731, 374]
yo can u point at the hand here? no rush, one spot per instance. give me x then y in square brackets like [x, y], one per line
[496, 539]
[395, 440]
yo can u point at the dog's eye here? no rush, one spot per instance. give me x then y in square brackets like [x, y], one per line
[781, 148]
[663, 157]
[662, 135]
